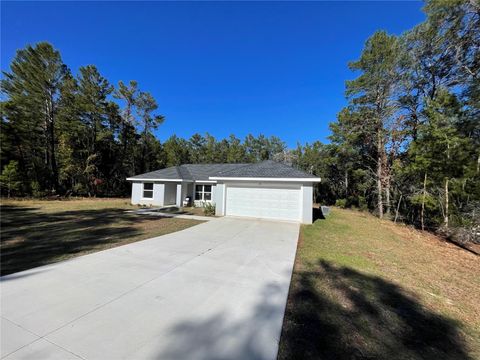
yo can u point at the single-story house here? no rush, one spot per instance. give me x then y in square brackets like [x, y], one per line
[267, 189]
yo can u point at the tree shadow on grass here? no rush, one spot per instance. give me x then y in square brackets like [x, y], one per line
[340, 313]
[31, 238]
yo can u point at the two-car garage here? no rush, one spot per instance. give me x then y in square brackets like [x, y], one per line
[269, 199]
[280, 202]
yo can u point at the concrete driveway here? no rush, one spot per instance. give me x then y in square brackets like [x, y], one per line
[214, 291]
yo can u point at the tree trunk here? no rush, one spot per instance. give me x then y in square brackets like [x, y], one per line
[478, 164]
[143, 165]
[51, 142]
[379, 175]
[94, 142]
[422, 214]
[346, 183]
[53, 159]
[387, 197]
[9, 186]
[446, 203]
[398, 208]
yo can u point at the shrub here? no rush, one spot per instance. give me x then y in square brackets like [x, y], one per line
[341, 203]
[79, 189]
[36, 190]
[10, 179]
[208, 209]
[362, 203]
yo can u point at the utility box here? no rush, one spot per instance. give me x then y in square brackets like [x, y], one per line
[325, 210]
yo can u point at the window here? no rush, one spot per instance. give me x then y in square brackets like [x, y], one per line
[148, 190]
[203, 192]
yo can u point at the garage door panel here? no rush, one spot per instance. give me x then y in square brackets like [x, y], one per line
[272, 202]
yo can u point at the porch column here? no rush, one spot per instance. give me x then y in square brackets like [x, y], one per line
[179, 199]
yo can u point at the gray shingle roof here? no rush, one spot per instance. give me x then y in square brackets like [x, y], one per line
[266, 169]
[174, 172]
[204, 171]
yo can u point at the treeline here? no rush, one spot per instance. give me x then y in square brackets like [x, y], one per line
[407, 146]
[80, 135]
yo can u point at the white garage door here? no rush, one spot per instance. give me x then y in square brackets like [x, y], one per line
[270, 202]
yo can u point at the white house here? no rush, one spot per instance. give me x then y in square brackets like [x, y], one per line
[266, 189]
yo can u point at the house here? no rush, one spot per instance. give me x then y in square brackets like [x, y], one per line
[267, 189]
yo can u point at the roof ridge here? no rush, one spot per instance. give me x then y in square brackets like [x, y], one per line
[181, 168]
[227, 163]
[243, 165]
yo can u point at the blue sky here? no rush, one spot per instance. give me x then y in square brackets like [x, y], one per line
[277, 68]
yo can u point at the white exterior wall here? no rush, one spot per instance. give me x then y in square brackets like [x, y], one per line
[137, 194]
[307, 203]
[214, 192]
[219, 199]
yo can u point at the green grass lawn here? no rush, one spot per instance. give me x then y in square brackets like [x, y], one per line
[40, 232]
[369, 289]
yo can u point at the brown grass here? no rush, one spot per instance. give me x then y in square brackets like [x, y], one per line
[366, 288]
[194, 211]
[40, 232]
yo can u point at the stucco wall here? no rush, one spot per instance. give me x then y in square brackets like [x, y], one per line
[307, 203]
[137, 194]
[219, 199]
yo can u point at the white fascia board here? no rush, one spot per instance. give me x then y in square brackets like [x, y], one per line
[263, 179]
[164, 180]
[205, 181]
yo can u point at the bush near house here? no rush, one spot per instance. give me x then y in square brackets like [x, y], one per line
[209, 209]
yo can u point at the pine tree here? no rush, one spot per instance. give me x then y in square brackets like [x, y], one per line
[33, 88]
[373, 94]
[146, 104]
[10, 179]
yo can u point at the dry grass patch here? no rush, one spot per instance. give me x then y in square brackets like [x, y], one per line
[366, 288]
[40, 232]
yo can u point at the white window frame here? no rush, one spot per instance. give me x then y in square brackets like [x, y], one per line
[150, 190]
[203, 192]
